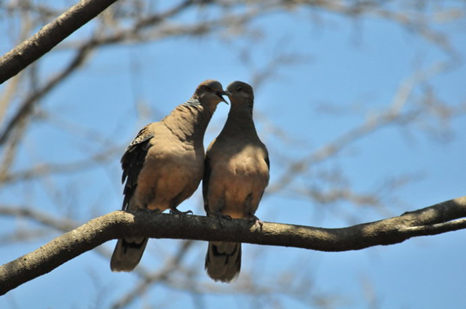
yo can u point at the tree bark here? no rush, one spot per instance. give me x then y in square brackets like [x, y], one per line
[427, 221]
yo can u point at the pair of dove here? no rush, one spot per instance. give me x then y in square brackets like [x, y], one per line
[165, 163]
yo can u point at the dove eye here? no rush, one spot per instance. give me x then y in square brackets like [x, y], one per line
[239, 88]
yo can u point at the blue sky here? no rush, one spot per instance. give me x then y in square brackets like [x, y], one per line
[354, 66]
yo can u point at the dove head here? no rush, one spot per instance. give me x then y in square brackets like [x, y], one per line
[241, 95]
[210, 93]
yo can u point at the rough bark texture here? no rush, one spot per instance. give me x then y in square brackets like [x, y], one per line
[49, 36]
[427, 221]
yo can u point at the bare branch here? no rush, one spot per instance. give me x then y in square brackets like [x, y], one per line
[61, 224]
[428, 221]
[150, 278]
[60, 168]
[28, 104]
[49, 36]
[396, 113]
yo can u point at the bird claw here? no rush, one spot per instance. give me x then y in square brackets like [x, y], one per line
[175, 211]
[226, 217]
[221, 217]
[150, 211]
[257, 222]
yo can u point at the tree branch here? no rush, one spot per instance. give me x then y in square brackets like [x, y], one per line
[27, 105]
[427, 221]
[49, 36]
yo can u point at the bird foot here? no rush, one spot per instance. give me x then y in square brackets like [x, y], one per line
[150, 211]
[220, 217]
[175, 211]
[257, 222]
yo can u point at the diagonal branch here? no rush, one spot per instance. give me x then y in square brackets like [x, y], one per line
[395, 113]
[60, 224]
[28, 104]
[427, 221]
[49, 36]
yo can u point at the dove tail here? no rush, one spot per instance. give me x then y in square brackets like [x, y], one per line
[127, 254]
[223, 260]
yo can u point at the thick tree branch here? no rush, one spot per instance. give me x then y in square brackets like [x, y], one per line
[427, 221]
[49, 36]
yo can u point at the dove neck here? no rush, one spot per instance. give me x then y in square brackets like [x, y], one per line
[243, 108]
[240, 118]
[189, 122]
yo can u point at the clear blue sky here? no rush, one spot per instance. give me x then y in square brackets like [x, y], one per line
[355, 67]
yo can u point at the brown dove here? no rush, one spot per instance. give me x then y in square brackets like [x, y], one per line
[235, 177]
[164, 165]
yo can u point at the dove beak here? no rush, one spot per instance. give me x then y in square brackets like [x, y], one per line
[221, 94]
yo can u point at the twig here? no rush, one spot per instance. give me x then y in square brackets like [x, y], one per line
[28, 104]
